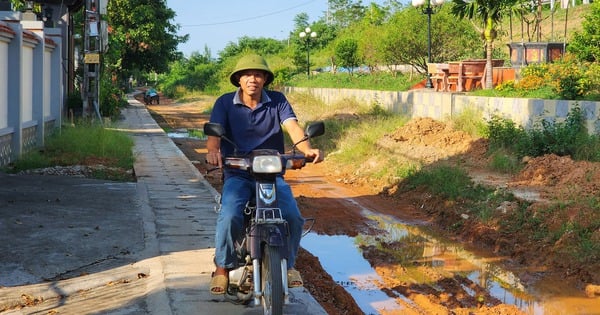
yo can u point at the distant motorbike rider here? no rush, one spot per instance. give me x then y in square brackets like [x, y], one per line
[151, 96]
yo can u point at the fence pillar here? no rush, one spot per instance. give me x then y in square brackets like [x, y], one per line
[33, 123]
[7, 35]
[14, 95]
[54, 46]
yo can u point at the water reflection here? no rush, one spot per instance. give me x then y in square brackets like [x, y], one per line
[419, 252]
[186, 133]
[342, 260]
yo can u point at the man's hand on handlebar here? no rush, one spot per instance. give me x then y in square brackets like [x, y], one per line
[214, 158]
[314, 155]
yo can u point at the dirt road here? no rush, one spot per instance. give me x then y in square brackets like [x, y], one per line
[339, 200]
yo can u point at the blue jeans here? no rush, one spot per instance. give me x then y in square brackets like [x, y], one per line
[237, 191]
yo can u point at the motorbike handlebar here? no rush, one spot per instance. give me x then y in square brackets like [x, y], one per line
[295, 161]
[291, 161]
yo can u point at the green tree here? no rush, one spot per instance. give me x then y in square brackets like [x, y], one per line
[342, 13]
[260, 45]
[142, 36]
[489, 13]
[403, 39]
[586, 44]
[368, 34]
[346, 54]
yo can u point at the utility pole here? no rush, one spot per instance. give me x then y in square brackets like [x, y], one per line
[90, 91]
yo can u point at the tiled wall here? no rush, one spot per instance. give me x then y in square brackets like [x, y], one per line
[441, 105]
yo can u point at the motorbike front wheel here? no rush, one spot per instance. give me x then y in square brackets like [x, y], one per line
[271, 282]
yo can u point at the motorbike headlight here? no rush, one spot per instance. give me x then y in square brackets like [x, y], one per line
[267, 164]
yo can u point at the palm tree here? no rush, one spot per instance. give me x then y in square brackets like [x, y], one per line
[490, 14]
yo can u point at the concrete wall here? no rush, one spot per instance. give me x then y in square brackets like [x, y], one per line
[31, 79]
[442, 105]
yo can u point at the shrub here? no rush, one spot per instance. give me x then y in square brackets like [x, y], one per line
[74, 101]
[569, 137]
[503, 132]
[530, 83]
[506, 86]
[590, 83]
[585, 44]
[564, 76]
[560, 138]
[111, 100]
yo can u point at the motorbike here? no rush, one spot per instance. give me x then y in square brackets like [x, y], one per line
[262, 253]
[151, 98]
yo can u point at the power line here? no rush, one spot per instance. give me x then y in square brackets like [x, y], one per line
[250, 18]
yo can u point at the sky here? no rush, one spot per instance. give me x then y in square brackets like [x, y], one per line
[216, 23]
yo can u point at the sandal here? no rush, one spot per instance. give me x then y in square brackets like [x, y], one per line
[294, 278]
[218, 284]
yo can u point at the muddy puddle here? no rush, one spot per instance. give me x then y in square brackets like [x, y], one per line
[186, 133]
[423, 254]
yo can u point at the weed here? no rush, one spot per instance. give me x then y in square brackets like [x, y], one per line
[448, 182]
[195, 133]
[504, 162]
[568, 137]
[470, 121]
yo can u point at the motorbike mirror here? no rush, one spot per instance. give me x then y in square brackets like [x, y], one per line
[315, 129]
[312, 130]
[214, 129]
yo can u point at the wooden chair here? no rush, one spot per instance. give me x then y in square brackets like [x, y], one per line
[453, 75]
[438, 77]
[471, 75]
[465, 75]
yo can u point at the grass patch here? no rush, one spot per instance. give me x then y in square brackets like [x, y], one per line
[196, 133]
[571, 228]
[83, 144]
[543, 92]
[446, 181]
[504, 162]
[470, 121]
[379, 81]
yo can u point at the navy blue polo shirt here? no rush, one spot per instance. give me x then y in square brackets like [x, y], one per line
[250, 129]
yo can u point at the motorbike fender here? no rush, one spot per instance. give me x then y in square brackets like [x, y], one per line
[271, 235]
[275, 238]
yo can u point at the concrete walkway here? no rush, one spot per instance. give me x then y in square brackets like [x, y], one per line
[148, 254]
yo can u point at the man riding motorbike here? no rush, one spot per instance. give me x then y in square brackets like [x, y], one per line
[253, 118]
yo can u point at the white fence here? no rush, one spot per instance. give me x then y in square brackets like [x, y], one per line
[31, 91]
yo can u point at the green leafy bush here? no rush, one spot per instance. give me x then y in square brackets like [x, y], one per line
[111, 100]
[586, 44]
[564, 77]
[503, 132]
[568, 137]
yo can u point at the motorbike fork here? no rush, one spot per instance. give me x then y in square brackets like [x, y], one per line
[269, 229]
[256, 278]
[267, 234]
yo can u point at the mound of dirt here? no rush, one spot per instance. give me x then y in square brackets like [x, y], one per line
[560, 176]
